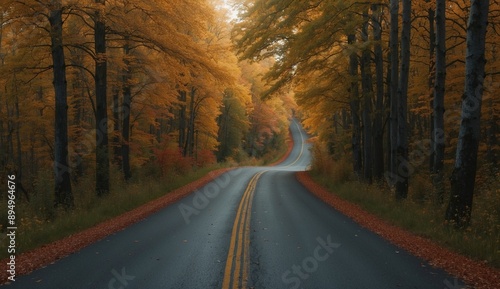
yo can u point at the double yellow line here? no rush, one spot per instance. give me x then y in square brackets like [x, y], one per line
[301, 147]
[238, 259]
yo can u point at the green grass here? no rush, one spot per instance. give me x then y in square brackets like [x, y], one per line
[39, 223]
[480, 241]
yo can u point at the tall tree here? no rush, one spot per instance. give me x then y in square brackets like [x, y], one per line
[101, 113]
[394, 51]
[464, 172]
[378, 124]
[438, 101]
[402, 139]
[354, 105]
[367, 85]
[63, 194]
[431, 16]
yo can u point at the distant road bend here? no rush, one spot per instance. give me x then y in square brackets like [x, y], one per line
[253, 227]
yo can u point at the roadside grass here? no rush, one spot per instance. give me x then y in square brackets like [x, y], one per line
[39, 223]
[420, 213]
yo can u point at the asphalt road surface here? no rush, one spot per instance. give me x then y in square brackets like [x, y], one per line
[253, 227]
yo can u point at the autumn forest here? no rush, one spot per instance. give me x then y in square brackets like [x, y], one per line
[99, 97]
[124, 84]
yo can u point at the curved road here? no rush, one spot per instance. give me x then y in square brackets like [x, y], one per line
[253, 227]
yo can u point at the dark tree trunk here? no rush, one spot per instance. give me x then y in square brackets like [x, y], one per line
[404, 168]
[63, 193]
[378, 125]
[464, 173]
[189, 145]
[367, 84]
[116, 126]
[102, 150]
[394, 41]
[432, 77]
[387, 120]
[182, 119]
[354, 105]
[127, 102]
[438, 103]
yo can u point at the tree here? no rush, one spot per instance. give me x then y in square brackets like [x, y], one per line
[101, 113]
[378, 123]
[464, 172]
[367, 85]
[63, 194]
[354, 105]
[233, 124]
[394, 80]
[438, 101]
[402, 136]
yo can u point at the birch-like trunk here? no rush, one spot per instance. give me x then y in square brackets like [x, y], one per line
[464, 173]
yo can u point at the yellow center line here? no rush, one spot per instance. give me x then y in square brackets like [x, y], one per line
[240, 240]
[246, 257]
[301, 147]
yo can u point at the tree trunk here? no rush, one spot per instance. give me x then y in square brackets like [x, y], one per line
[189, 146]
[438, 103]
[63, 193]
[387, 119]
[432, 76]
[127, 102]
[464, 173]
[116, 126]
[102, 150]
[182, 119]
[367, 84]
[378, 125]
[354, 105]
[404, 168]
[394, 42]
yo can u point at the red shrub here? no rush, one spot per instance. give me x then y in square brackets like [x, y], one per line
[171, 161]
[205, 157]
